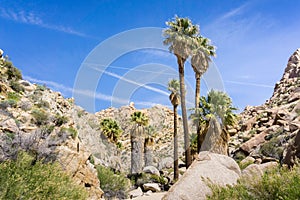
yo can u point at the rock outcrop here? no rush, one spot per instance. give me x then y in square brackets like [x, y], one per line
[268, 132]
[208, 168]
[214, 140]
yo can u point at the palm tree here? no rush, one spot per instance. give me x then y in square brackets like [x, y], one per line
[173, 87]
[202, 51]
[111, 129]
[217, 105]
[136, 138]
[179, 38]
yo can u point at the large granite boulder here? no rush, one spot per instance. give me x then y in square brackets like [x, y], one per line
[216, 140]
[208, 168]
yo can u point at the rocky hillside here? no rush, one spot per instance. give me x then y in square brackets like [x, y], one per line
[265, 132]
[37, 120]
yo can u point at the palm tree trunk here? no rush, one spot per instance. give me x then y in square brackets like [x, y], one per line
[137, 150]
[148, 151]
[188, 160]
[197, 97]
[176, 168]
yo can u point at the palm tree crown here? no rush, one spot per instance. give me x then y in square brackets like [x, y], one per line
[111, 129]
[202, 50]
[173, 87]
[178, 36]
[139, 118]
[218, 104]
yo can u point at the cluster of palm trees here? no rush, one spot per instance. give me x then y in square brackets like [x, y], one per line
[184, 41]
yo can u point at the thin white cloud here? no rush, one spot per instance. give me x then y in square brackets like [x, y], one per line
[32, 19]
[250, 84]
[88, 93]
[234, 12]
[131, 81]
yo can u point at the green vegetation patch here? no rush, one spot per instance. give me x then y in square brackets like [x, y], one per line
[113, 184]
[27, 179]
[280, 183]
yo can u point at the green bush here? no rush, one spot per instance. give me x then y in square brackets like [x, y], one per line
[12, 72]
[8, 103]
[27, 179]
[40, 116]
[40, 88]
[111, 183]
[60, 120]
[17, 86]
[42, 104]
[280, 183]
[13, 96]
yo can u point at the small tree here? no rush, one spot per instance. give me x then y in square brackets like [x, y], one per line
[140, 120]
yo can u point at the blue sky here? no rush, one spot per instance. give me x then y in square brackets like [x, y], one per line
[49, 41]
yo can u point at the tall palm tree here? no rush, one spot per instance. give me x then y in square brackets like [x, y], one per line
[202, 51]
[173, 87]
[137, 134]
[179, 39]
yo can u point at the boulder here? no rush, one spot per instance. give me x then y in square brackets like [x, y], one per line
[247, 160]
[258, 139]
[9, 125]
[154, 187]
[216, 140]
[166, 163]
[135, 193]
[194, 184]
[257, 170]
[151, 170]
[293, 151]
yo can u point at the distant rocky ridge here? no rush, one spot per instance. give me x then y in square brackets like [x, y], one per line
[160, 119]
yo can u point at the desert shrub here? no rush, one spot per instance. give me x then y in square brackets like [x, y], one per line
[140, 179]
[8, 103]
[13, 96]
[60, 120]
[42, 104]
[114, 185]
[70, 131]
[40, 88]
[12, 72]
[27, 179]
[40, 116]
[280, 183]
[16, 86]
[80, 113]
[271, 149]
[47, 129]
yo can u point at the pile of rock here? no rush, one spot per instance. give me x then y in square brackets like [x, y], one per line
[265, 132]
